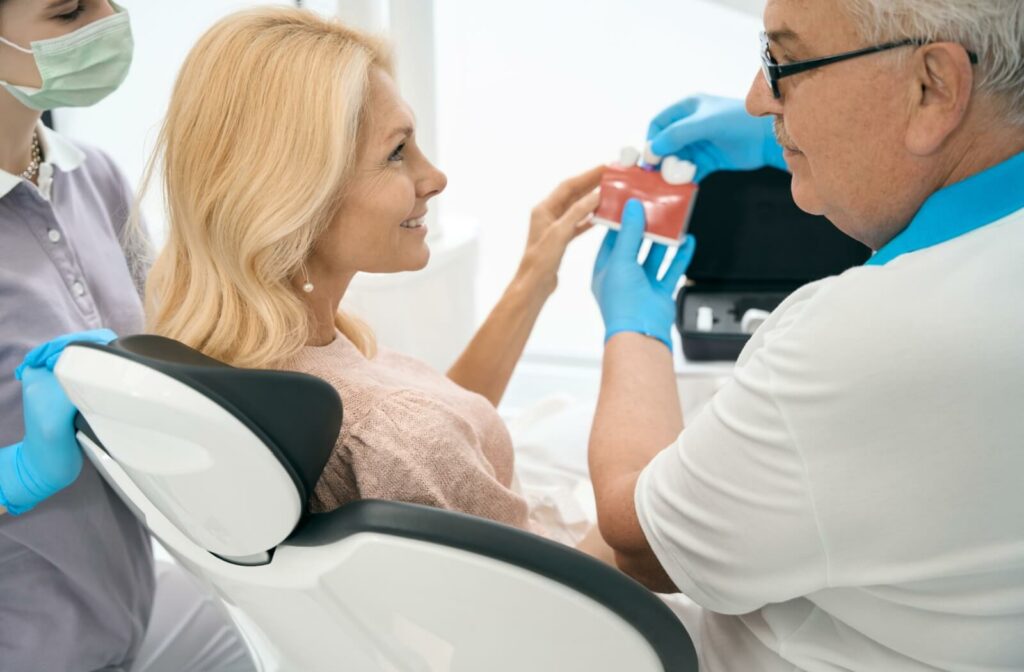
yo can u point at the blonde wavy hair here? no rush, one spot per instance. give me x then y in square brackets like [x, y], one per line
[261, 136]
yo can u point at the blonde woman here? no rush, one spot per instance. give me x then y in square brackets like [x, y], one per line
[291, 165]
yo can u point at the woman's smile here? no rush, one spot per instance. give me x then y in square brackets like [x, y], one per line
[416, 223]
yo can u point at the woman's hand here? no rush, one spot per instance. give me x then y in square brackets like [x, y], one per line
[486, 365]
[556, 222]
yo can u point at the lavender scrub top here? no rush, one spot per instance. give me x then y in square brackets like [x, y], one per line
[76, 572]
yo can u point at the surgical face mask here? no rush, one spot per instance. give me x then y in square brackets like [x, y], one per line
[81, 68]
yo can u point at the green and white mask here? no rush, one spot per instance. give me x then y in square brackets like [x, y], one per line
[81, 68]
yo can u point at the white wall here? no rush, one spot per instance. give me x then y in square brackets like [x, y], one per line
[533, 91]
[753, 7]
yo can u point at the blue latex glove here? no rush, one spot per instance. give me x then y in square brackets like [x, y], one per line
[715, 134]
[48, 459]
[47, 354]
[631, 295]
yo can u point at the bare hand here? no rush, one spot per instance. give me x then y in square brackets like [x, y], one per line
[557, 221]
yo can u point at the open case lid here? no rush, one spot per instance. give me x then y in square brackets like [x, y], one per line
[749, 230]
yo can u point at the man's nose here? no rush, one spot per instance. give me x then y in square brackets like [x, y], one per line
[760, 101]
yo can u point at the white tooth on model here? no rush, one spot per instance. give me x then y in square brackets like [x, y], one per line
[689, 170]
[629, 156]
[677, 171]
[668, 168]
[650, 158]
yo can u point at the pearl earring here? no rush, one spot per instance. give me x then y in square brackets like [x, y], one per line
[308, 287]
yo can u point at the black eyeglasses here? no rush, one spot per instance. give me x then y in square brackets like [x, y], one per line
[773, 72]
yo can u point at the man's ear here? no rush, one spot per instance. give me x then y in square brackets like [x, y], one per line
[943, 81]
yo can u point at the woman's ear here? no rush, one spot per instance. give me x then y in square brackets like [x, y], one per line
[943, 81]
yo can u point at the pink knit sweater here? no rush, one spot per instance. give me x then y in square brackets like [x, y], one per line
[410, 434]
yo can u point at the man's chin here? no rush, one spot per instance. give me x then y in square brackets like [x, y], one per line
[805, 195]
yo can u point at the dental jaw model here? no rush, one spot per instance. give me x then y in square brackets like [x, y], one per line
[668, 194]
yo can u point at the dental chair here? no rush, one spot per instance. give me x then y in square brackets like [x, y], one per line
[219, 463]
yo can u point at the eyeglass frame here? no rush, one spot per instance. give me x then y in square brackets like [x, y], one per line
[773, 71]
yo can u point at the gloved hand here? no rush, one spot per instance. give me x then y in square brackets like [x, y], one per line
[631, 296]
[48, 459]
[47, 354]
[715, 134]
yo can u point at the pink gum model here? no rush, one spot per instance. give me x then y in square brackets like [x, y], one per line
[667, 206]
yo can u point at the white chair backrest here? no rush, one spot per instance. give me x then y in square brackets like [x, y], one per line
[206, 466]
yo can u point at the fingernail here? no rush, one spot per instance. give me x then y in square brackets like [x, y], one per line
[651, 157]
[654, 146]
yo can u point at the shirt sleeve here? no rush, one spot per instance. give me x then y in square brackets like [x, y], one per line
[411, 448]
[728, 509]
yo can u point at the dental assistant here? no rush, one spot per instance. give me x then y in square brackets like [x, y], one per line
[78, 586]
[852, 498]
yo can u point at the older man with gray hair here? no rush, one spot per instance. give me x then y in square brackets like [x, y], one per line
[854, 498]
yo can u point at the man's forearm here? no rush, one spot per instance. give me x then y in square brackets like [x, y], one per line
[638, 415]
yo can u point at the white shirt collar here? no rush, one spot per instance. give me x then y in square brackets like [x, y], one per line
[7, 182]
[57, 151]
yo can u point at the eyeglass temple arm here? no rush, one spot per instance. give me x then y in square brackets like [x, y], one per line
[803, 66]
[781, 71]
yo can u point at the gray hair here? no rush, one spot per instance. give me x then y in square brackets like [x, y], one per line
[993, 29]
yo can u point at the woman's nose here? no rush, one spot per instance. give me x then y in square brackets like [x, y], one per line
[433, 183]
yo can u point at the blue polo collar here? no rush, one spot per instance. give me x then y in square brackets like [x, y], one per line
[960, 208]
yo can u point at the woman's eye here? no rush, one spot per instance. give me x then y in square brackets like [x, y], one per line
[72, 15]
[398, 154]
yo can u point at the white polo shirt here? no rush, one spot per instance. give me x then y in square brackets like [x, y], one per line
[854, 498]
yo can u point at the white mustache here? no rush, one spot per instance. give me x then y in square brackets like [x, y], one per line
[781, 136]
